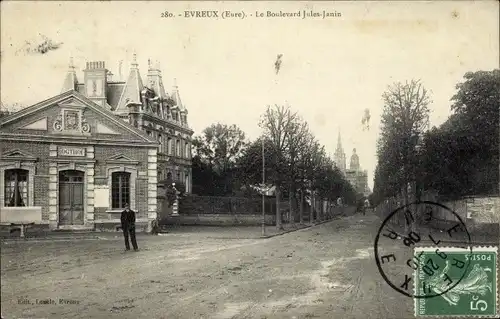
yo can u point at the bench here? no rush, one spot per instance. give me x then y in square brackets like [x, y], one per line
[20, 217]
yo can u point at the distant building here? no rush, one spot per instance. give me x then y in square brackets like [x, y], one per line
[357, 177]
[79, 157]
[339, 156]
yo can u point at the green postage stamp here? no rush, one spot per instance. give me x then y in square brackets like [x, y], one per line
[459, 283]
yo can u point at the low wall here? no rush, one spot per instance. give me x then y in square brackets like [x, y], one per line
[228, 219]
[480, 214]
[484, 209]
[218, 220]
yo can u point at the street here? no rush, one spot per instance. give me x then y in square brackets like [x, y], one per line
[327, 271]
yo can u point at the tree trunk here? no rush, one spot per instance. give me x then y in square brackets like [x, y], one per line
[301, 209]
[311, 210]
[290, 207]
[278, 209]
[319, 210]
[405, 204]
[322, 209]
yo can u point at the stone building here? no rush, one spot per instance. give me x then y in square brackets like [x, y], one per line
[357, 177]
[81, 156]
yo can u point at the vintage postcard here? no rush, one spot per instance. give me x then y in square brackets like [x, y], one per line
[249, 159]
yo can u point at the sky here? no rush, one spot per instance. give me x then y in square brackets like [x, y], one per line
[332, 70]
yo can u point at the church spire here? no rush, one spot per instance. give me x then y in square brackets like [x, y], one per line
[339, 142]
[70, 81]
[340, 158]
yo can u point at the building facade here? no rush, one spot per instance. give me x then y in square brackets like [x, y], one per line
[357, 177]
[79, 157]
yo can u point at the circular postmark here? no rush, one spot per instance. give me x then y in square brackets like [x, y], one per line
[425, 224]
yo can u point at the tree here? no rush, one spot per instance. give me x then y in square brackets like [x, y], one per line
[305, 169]
[461, 156]
[220, 145]
[279, 123]
[218, 148]
[405, 117]
[249, 165]
[477, 102]
[476, 106]
[297, 141]
[205, 179]
[7, 109]
[4, 113]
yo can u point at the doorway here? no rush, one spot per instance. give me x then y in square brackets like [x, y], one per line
[71, 204]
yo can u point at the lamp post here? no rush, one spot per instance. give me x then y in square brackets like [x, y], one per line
[263, 190]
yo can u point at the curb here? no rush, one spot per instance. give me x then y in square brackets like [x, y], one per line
[294, 230]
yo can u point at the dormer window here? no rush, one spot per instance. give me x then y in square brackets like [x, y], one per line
[148, 133]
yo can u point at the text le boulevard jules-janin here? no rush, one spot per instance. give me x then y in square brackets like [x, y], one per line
[298, 14]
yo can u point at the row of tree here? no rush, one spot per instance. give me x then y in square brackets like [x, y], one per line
[458, 158]
[295, 163]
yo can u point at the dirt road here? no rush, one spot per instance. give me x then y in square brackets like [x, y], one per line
[327, 271]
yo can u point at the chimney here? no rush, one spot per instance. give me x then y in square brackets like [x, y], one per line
[96, 78]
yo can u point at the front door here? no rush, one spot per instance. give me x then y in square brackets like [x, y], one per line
[71, 208]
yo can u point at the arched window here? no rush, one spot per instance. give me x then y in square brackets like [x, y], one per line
[120, 190]
[16, 188]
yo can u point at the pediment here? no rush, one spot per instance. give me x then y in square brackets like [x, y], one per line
[122, 159]
[103, 129]
[38, 125]
[17, 155]
[72, 102]
[70, 113]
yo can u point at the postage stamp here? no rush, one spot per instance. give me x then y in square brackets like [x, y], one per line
[474, 295]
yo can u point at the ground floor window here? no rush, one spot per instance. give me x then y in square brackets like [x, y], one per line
[120, 190]
[16, 187]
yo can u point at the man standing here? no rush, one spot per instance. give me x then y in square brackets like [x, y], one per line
[128, 227]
